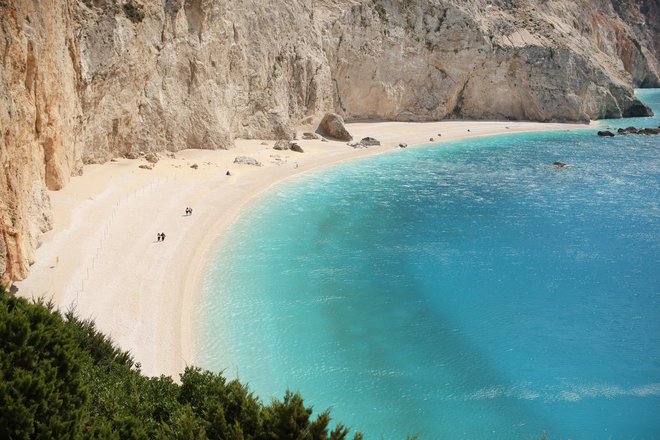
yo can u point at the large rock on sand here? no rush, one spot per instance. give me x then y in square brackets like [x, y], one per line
[332, 125]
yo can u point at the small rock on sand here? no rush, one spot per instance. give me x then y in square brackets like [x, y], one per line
[147, 166]
[246, 160]
[310, 136]
[151, 157]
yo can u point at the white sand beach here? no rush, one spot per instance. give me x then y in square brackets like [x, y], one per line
[102, 256]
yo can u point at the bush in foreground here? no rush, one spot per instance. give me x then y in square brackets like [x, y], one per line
[62, 378]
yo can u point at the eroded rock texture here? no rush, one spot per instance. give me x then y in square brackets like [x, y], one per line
[82, 81]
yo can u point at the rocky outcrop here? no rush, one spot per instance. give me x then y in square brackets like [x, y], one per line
[332, 126]
[630, 130]
[545, 61]
[82, 81]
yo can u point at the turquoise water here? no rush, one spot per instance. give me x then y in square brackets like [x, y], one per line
[465, 291]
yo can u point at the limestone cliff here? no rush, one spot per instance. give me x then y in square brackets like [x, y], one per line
[82, 81]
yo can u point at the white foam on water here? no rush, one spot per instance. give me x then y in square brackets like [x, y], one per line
[571, 394]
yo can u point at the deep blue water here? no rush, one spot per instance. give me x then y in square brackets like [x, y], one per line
[464, 291]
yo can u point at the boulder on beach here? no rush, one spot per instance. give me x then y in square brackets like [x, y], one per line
[295, 147]
[281, 145]
[332, 125]
[246, 160]
[369, 141]
[605, 133]
[194, 166]
[147, 166]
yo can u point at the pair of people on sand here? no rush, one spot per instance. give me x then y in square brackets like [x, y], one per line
[161, 236]
[188, 211]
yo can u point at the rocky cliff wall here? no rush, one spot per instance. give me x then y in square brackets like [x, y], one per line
[545, 61]
[82, 81]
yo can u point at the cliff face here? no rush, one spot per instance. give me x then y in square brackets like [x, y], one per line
[546, 60]
[84, 80]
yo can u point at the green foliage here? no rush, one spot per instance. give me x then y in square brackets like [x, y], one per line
[62, 378]
[134, 11]
[41, 388]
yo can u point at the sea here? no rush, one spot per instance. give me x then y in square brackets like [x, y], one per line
[466, 290]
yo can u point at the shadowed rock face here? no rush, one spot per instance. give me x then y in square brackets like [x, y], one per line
[81, 81]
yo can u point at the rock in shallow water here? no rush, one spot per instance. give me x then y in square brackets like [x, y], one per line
[637, 110]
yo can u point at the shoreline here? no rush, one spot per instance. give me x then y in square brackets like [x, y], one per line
[102, 257]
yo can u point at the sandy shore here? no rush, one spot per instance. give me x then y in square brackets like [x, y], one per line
[102, 256]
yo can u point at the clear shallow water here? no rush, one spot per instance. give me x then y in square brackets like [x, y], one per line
[462, 292]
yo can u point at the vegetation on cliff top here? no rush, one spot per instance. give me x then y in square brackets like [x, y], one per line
[62, 378]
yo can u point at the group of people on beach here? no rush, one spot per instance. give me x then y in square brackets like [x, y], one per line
[161, 235]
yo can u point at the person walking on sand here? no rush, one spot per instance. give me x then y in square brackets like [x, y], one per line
[162, 235]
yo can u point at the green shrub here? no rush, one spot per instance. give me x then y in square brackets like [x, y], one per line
[62, 378]
[134, 11]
